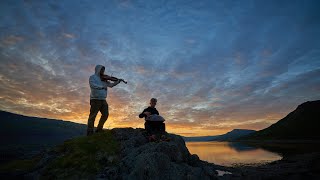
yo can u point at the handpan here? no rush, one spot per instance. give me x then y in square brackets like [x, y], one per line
[155, 117]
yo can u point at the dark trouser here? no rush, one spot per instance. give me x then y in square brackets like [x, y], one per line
[155, 127]
[96, 106]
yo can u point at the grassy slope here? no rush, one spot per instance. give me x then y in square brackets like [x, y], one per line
[21, 136]
[76, 158]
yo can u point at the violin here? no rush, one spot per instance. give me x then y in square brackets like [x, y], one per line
[111, 78]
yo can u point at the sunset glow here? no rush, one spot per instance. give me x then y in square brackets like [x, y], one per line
[213, 65]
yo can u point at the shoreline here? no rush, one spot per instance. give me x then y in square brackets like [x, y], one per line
[299, 166]
[267, 141]
[300, 160]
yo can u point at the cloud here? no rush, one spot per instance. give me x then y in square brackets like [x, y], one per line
[213, 66]
[71, 36]
[12, 40]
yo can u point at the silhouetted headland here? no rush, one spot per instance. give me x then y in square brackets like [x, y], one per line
[301, 124]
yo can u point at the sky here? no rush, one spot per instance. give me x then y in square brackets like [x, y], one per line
[214, 66]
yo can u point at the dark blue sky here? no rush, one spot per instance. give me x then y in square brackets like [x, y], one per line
[213, 65]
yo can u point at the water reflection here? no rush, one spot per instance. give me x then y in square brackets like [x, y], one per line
[228, 154]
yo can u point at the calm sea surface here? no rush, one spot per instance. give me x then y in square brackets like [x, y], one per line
[229, 154]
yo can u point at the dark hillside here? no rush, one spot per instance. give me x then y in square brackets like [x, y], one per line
[302, 123]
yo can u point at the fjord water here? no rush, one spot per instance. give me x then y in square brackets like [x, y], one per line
[230, 154]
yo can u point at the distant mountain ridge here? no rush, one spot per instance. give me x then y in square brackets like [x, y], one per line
[230, 136]
[21, 135]
[234, 134]
[302, 123]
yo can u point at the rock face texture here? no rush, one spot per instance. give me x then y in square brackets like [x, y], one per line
[120, 153]
[141, 159]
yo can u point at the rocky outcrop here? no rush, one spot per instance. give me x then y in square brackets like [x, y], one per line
[121, 153]
[141, 159]
[126, 153]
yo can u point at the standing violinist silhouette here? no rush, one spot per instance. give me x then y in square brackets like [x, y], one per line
[99, 83]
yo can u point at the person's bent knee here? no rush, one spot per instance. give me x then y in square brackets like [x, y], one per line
[105, 116]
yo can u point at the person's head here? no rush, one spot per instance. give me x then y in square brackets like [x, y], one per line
[153, 102]
[99, 70]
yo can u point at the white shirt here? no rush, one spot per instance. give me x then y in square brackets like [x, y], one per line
[99, 88]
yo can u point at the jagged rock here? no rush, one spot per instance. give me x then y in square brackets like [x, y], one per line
[134, 157]
[141, 159]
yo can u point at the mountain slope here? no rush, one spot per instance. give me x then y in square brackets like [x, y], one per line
[232, 135]
[199, 138]
[22, 135]
[302, 123]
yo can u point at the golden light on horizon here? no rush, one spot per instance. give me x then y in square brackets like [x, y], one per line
[183, 119]
[122, 116]
[120, 121]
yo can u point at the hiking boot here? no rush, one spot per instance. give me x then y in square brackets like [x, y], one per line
[89, 132]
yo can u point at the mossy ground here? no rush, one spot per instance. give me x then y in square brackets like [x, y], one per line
[77, 158]
[83, 156]
[20, 165]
